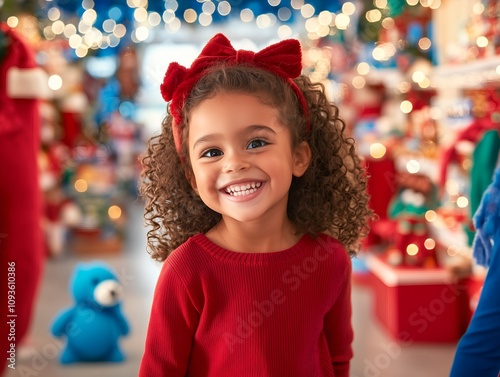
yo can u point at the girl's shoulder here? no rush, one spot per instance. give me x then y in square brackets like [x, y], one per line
[328, 246]
[327, 241]
[187, 255]
[185, 267]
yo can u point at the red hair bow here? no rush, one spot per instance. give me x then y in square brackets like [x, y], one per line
[284, 59]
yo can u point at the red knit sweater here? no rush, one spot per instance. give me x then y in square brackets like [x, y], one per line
[219, 313]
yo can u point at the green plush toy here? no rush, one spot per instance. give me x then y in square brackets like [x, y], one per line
[416, 195]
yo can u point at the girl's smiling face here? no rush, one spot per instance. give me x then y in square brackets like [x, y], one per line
[242, 157]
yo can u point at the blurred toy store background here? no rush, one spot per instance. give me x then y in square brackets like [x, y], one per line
[417, 83]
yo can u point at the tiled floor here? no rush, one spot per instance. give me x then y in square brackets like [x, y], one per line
[376, 355]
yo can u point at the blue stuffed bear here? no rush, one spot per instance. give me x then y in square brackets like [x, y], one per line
[95, 322]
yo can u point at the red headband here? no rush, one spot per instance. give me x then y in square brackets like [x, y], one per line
[284, 59]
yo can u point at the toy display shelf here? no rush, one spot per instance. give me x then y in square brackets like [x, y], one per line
[474, 74]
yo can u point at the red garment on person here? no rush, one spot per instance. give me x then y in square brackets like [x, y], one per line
[223, 313]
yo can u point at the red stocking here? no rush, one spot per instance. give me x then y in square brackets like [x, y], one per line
[20, 206]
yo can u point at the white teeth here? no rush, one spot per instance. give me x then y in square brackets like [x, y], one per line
[242, 190]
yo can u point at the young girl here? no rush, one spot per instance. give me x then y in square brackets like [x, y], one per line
[256, 199]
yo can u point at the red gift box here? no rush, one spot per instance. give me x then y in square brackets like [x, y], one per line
[418, 305]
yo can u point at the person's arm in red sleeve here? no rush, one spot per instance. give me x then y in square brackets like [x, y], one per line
[173, 322]
[338, 327]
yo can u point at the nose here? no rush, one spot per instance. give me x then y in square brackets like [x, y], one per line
[235, 161]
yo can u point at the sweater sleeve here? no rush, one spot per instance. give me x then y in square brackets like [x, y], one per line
[478, 352]
[172, 324]
[338, 327]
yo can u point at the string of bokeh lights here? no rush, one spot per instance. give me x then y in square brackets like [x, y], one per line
[95, 29]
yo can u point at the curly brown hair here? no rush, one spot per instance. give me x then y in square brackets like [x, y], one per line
[330, 197]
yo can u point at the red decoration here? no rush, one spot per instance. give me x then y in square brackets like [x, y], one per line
[416, 305]
[21, 247]
[417, 194]
[471, 133]
[381, 187]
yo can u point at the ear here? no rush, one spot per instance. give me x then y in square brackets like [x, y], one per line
[301, 158]
[192, 180]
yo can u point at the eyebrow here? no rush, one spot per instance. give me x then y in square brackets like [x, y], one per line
[247, 131]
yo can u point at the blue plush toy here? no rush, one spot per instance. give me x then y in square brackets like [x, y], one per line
[95, 322]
